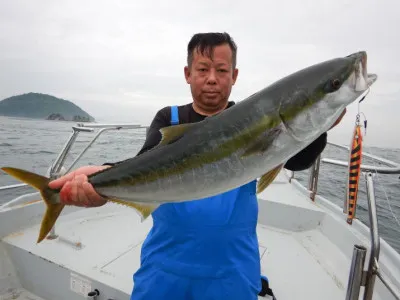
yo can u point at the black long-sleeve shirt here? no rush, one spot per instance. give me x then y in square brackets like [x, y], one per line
[301, 161]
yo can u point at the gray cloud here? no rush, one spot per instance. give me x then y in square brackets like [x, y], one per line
[123, 60]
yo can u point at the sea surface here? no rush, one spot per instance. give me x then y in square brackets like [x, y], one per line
[34, 145]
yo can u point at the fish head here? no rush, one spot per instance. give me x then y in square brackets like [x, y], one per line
[348, 79]
[316, 96]
[360, 79]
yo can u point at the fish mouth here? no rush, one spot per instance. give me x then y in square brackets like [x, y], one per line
[361, 79]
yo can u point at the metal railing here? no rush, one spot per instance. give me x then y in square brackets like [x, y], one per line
[56, 169]
[59, 162]
[12, 186]
[358, 277]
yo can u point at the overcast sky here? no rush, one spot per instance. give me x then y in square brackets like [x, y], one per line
[123, 60]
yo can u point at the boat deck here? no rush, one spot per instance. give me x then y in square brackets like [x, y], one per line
[19, 294]
[295, 262]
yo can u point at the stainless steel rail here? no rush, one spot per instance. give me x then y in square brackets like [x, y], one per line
[357, 276]
[365, 168]
[55, 169]
[59, 162]
[365, 154]
[313, 178]
[375, 239]
[356, 272]
[12, 186]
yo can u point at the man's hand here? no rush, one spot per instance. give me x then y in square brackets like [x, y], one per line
[339, 119]
[76, 190]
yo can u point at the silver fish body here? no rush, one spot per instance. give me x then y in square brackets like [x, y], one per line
[272, 125]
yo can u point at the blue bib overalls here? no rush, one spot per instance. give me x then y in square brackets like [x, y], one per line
[202, 249]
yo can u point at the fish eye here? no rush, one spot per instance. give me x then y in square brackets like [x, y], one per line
[336, 83]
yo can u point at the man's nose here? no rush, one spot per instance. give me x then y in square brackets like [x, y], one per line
[212, 78]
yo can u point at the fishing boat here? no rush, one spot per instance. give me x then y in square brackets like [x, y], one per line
[310, 248]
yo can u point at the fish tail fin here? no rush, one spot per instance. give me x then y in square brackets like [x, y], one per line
[49, 196]
[51, 215]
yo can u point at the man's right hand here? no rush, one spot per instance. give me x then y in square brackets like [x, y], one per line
[76, 190]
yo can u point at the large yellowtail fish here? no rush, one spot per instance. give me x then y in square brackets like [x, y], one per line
[252, 139]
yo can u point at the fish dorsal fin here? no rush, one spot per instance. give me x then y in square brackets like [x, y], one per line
[172, 133]
[268, 178]
[144, 210]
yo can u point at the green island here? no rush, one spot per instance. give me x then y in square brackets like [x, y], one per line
[43, 106]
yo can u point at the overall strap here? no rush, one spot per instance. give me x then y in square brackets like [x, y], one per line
[174, 115]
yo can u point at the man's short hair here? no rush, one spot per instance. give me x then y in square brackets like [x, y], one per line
[205, 43]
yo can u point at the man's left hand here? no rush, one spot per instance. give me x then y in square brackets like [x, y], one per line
[339, 119]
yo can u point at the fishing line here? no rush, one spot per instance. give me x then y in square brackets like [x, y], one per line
[387, 199]
[374, 160]
[386, 196]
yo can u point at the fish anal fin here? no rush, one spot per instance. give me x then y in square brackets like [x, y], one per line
[268, 178]
[144, 210]
[172, 133]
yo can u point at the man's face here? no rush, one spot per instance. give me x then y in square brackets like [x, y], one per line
[211, 81]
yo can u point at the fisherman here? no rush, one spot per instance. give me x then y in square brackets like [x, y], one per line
[208, 248]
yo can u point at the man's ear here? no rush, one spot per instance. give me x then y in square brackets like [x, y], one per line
[186, 70]
[235, 75]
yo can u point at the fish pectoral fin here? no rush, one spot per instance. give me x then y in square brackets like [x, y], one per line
[256, 148]
[144, 210]
[172, 133]
[261, 144]
[268, 178]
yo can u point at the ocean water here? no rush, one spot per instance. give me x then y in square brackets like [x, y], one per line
[35, 144]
